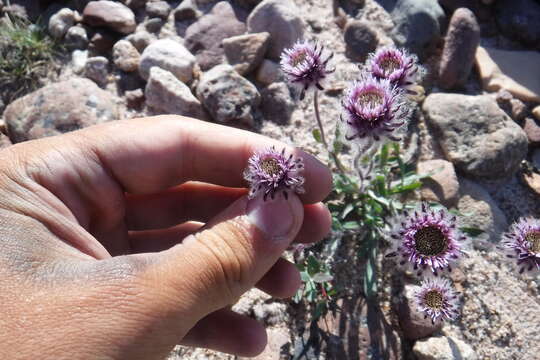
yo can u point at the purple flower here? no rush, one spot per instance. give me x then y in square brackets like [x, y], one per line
[522, 243]
[437, 299]
[395, 65]
[427, 239]
[373, 110]
[271, 171]
[305, 66]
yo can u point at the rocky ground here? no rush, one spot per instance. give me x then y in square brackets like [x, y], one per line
[477, 129]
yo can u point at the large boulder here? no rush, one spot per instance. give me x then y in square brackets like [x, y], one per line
[281, 18]
[204, 36]
[227, 96]
[476, 135]
[169, 55]
[166, 94]
[111, 14]
[418, 24]
[59, 108]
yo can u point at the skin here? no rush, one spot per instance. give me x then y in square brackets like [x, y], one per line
[121, 240]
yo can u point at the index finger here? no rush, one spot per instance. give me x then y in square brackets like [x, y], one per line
[148, 155]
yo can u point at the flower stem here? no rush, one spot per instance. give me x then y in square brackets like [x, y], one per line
[338, 163]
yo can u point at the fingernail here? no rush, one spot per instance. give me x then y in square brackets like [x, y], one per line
[274, 217]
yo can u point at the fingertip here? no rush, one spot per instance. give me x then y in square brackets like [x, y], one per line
[318, 178]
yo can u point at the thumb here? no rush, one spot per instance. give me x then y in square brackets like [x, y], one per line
[211, 269]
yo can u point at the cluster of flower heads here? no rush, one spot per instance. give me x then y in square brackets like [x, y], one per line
[522, 244]
[429, 242]
[270, 172]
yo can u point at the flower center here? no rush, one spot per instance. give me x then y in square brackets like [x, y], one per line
[270, 166]
[430, 241]
[389, 64]
[534, 238]
[434, 299]
[371, 98]
[298, 58]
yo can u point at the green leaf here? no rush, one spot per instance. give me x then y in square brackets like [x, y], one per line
[351, 225]
[471, 231]
[322, 277]
[313, 265]
[317, 135]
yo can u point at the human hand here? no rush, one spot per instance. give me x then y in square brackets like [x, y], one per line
[92, 261]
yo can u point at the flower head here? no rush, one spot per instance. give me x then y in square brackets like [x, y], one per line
[437, 299]
[373, 110]
[395, 65]
[305, 66]
[427, 239]
[522, 243]
[270, 171]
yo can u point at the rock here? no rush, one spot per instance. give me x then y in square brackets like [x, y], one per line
[480, 211]
[102, 42]
[186, 11]
[269, 72]
[418, 25]
[154, 25]
[277, 104]
[111, 14]
[532, 181]
[158, 9]
[519, 20]
[281, 18]
[76, 38]
[96, 69]
[140, 39]
[78, 60]
[59, 108]
[227, 96]
[518, 110]
[461, 42]
[532, 130]
[166, 94]
[475, 134]
[536, 112]
[204, 36]
[360, 39]
[125, 56]
[169, 55]
[443, 348]
[60, 22]
[411, 320]
[245, 52]
[443, 185]
[134, 98]
[514, 71]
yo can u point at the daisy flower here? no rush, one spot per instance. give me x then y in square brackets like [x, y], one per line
[396, 66]
[522, 243]
[437, 299]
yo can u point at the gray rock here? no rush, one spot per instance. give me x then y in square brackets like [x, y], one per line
[418, 25]
[412, 322]
[187, 10]
[479, 210]
[169, 55]
[227, 96]
[532, 130]
[59, 108]
[443, 185]
[269, 72]
[360, 39]
[154, 25]
[519, 20]
[135, 4]
[125, 56]
[204, 36]
[281, 18]
[78, 60]
[76, 38]
[245, 52]
[460, 46]
[96, 68]
[476, 135]
[518, 110]
[277, 104]
[140, 39]
[134, 98]
[158, 9]
[165, 93]
[111, 14]
[443, 348]
[60, 22]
